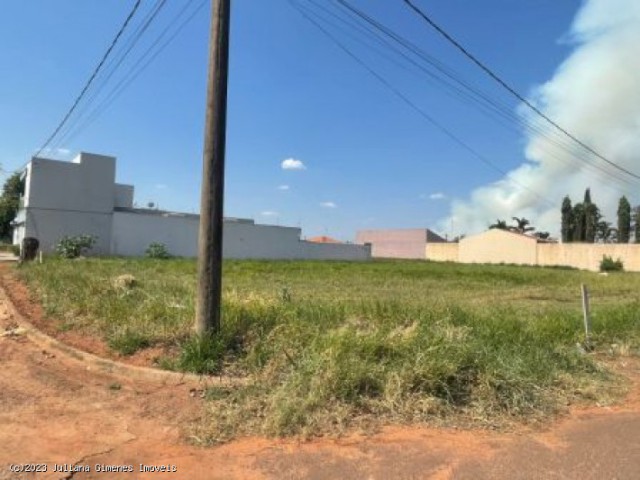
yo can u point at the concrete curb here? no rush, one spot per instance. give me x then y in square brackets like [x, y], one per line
[99, 364]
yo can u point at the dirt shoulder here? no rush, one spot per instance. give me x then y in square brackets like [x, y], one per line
[55, 409]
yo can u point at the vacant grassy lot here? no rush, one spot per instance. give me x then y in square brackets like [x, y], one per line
[333, 345]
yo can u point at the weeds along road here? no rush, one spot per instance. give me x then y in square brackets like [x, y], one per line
[55, 410]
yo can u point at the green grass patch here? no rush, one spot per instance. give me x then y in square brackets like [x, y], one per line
[331, 346]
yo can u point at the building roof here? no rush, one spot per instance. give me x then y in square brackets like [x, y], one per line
[323, 239]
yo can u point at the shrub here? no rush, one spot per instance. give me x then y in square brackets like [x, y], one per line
[15, 249]
[157, 250]
[608, 264]
[74, 246]
[201, 354]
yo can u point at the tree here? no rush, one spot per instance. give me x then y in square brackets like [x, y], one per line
[591, 217]
[500, 225]
[9, 203]
[567, 220]
[624, 220]
[604, 232]
[578, 217]
[522, 225]
[636, 224]
[542, 235]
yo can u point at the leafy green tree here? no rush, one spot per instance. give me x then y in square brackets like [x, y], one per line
[567, 220]
[636, 224]
[579, 220]
[9, 203]
[591, 217]
[624, 220]
[605, 232]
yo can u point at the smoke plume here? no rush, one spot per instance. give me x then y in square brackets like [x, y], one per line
[595, 95]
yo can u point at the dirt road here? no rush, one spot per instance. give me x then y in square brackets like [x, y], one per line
[56, 409]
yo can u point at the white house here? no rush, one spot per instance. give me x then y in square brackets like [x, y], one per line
[81, 197]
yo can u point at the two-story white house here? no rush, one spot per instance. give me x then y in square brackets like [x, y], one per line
[82, 197]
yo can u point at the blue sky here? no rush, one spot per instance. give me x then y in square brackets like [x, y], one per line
[370, 160]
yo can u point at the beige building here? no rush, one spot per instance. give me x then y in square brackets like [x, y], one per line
[501, 246]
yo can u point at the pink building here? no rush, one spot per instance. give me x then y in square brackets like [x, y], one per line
[401, 243]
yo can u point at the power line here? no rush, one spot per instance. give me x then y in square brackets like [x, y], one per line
[307, 15]
[139, 66]
[512, 90]
[463, 90]
[115, 64]
[93, 76]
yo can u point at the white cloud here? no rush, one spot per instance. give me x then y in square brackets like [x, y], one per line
[160, 186]
[283, 187]
[437, 196]
[328, 205]
[594, 95]
[269, 213]
[293, 164]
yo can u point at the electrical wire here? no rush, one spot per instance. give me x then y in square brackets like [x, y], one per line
[141, 64]
[92, 77]
[512, 90]
[307, 14]
[465, 91]
[113, 67]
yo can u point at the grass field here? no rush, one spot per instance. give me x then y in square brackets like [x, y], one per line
[332, 345]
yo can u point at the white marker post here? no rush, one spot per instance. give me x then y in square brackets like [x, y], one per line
[585, 312]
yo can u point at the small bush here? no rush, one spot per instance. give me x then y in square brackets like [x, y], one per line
[608, 264]
[74, 246]
[15, 249]
[157, 250]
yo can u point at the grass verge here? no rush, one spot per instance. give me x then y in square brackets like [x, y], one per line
[330, 346]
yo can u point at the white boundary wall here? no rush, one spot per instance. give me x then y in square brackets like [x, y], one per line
[132, 232]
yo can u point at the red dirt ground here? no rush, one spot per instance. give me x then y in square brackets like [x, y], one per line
[56, 409]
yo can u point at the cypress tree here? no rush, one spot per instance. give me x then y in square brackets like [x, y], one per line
[636, 223]
[591, 217]
[567, 220]
[578, 215]
[624, 220]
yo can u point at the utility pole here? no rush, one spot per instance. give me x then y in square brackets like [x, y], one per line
[212, 194]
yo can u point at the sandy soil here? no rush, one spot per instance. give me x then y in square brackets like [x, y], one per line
[58, 409]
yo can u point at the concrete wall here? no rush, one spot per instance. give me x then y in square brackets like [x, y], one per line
[133, 232]
[334, 251]
[498, 246]
[243, 239]
[588, 256]
[49, 226]
[402, 243]
[442, 252]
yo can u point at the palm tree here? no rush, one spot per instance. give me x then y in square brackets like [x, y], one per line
[522, 226]
[500, 225]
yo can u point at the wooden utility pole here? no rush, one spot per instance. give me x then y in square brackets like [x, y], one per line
[212, 194]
